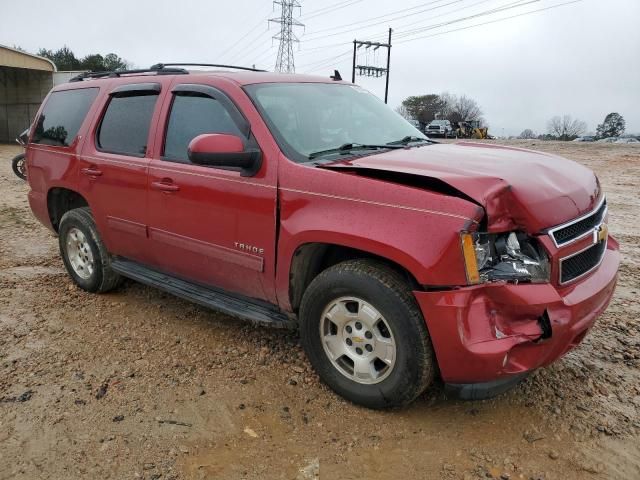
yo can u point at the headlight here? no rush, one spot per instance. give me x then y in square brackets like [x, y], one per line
[513, 257]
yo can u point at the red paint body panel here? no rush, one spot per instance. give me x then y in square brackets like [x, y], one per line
[216, 227]
[216, 143]
[416, 229]
[520, 189]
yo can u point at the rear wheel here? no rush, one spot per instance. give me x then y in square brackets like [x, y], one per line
[83, 253]
[365, 335]
[19, 166]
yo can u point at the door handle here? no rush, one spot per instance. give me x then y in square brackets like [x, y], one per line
[91, 171]
[165, 185]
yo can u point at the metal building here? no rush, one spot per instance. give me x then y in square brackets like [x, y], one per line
[25, 80]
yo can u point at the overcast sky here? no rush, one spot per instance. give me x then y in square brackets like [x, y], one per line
[581, 59]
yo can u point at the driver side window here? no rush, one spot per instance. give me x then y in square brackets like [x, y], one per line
[193, 114]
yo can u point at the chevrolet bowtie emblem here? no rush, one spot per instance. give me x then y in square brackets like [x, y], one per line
[600, 233]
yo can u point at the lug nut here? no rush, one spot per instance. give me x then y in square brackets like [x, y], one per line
[368, 347]
[349, 329]
[349, 342]
[368, 334]
[358, 325]
[359, 351]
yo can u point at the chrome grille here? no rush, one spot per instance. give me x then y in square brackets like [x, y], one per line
[581, 263]
[580, 227]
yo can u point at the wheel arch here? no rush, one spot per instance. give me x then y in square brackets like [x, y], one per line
[59, 201]
[309, 259]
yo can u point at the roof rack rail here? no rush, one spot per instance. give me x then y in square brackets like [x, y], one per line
[117, 73]
[217, 65]
[158, 69]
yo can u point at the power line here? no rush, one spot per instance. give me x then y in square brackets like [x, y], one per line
[251, 30]
[323, 63]
[401, 33]
[263, 55]
[386, 18]
[492, 21]
[329, 9]
[249, 48]
[431, 17]
[509, 6]
[381, 35]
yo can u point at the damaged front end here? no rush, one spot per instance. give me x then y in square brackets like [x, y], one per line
[511, 257]
[511, 318]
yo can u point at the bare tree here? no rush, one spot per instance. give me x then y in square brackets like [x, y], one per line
[468, 109]
[528, 134]
[448, 105]
[403, 112]
[566, 127]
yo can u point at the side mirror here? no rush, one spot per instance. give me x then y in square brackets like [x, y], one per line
[224, 150]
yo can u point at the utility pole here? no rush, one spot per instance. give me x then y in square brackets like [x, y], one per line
[372, 70]
[386, 85]
[285, 62]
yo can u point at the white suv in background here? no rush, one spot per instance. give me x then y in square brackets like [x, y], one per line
[440, 128]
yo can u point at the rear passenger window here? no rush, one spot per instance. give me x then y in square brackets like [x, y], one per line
[62, 116]
[191, 115]
[125, 126]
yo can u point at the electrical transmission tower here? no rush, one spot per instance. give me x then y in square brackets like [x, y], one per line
[286, 37]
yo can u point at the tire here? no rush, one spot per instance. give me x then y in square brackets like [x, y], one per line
[19, 166]
[83, 253]
[376, 289]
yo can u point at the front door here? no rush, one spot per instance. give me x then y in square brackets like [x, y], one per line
[206, 224]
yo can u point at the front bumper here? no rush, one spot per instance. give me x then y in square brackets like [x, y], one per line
[494, 331]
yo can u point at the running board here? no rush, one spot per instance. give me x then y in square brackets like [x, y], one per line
[244, 308]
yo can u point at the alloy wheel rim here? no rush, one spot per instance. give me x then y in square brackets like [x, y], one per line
[358, 340]
[79, 253]
[22, 168]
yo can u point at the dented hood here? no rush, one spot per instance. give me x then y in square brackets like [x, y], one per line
[518, 188]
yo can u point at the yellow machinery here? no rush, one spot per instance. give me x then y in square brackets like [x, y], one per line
[471, 129]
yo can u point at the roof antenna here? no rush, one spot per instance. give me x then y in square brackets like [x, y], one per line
[336, 77]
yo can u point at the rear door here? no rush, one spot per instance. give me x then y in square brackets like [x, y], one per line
[114, 163]
[206, 224]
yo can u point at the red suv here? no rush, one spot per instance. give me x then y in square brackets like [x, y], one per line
[305, 201]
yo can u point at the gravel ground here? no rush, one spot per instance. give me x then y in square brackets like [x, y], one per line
[138, 384]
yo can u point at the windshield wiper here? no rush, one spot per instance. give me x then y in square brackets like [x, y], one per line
[409, 139]
[350, 147]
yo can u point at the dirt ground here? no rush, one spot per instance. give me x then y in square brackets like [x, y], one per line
[138, 384]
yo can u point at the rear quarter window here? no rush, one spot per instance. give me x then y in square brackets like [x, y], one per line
[62, 116]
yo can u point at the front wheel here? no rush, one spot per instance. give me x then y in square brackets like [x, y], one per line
[19, 166]
[365, 336]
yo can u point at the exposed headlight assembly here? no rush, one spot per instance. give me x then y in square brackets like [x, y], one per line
[513, 257]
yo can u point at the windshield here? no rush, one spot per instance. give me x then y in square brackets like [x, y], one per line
[306, 118]
[439, 122]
